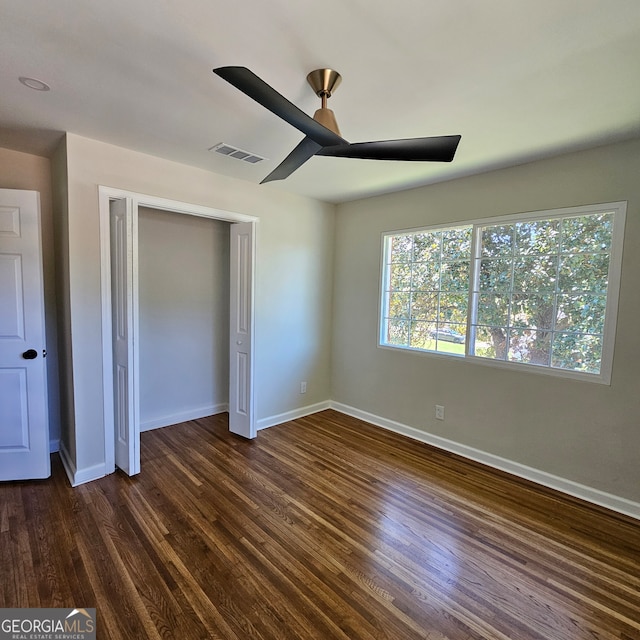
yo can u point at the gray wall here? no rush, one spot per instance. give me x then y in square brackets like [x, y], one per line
[183, 264]
[584, 432]
[294, 276]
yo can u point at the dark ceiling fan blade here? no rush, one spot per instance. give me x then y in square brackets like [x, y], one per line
[434, 149]
[305, 150]
[250, 84]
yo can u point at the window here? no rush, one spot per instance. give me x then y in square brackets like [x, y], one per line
[536, 290]
[427, 289]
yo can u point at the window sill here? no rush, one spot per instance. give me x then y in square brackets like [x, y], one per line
[601, 378]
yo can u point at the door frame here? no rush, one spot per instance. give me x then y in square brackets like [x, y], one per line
[105, 196]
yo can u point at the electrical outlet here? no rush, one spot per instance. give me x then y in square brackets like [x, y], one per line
[303, 386]
[439, 412]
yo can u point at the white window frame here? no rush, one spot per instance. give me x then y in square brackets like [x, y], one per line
[613, 289]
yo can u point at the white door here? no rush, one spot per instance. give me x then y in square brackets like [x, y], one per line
[241, 413]
[124, 297]
[24, 427]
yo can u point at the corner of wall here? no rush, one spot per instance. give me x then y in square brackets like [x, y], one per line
[60, 197]
[79, 476]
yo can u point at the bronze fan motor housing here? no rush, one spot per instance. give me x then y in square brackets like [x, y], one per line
[324, 82]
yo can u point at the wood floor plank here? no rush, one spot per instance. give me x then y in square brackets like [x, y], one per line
[322, 528]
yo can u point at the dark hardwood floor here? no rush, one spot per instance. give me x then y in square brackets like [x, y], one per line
[324, 527]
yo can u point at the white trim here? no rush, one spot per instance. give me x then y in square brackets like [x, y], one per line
[174, 206]
[539, 214]
[613, 293]
[272, 421]
[54, 445]
[604, 377]
[104, 199]
[67, 463]
[184, 416]
[77, 477]
[595, 496]
[105, 195]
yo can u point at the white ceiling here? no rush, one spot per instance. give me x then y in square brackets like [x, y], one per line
[518, 79]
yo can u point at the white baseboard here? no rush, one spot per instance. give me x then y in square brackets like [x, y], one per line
[80, 476]
[54, 445]
[183, 416]
[569, 487]
[595, 496]
[272, 421]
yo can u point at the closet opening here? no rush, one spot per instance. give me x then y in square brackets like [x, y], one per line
[178, 320]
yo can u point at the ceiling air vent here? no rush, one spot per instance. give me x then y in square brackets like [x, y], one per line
[238, 154]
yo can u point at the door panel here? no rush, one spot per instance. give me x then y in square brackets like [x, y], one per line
[241, 412]
[124, 326]
[12, 310]
[24, 428]
[13, 383]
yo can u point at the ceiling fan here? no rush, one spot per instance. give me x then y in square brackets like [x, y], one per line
[322, 136]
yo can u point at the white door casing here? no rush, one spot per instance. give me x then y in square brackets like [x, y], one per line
[107, 199]
[242, 259]
[124, 310]
[24, 427]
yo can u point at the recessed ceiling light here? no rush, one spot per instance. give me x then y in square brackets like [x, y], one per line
[32, 83]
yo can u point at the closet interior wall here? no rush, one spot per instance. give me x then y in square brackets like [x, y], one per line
[184, 317]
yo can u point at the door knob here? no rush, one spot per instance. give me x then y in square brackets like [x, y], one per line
[30, 354]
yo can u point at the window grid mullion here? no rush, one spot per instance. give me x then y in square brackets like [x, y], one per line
[512, 278]
[411, 287]
[440, 252]
[556, 291]
[474, 288]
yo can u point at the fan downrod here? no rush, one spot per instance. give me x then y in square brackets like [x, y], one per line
[324, 82]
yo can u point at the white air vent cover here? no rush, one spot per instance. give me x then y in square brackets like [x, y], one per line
[234, 152]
